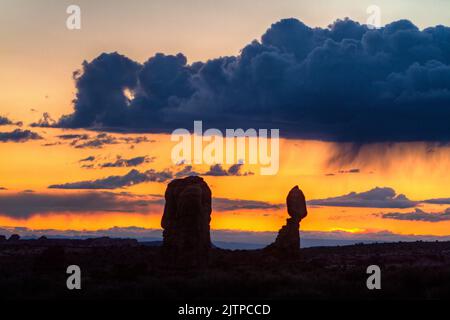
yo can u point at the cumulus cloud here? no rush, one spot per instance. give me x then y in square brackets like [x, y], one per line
[342, 83]
[24, 205]
[418, 215]
[375, 198]
[19, 135]
[114, 182]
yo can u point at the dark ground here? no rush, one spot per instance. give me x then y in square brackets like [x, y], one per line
[36, 269]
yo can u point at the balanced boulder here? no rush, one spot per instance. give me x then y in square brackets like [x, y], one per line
[288, 239]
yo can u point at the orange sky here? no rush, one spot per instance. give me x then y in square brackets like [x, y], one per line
[37, 58]
[407, 168]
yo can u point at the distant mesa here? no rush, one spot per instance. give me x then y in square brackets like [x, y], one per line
[109, 242]
[14, 237]
[43, 241]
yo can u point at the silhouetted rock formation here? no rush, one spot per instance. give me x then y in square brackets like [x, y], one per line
[14, 237]
[288, 239]
[110, 242]
[186, 218]
[43, 241]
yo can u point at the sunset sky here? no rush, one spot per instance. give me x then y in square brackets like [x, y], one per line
[363, 114]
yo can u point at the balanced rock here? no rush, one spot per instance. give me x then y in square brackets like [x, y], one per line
[288, 239]
[186, 218]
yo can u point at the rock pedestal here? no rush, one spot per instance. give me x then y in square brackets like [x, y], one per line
[186, 218]
[288, 239]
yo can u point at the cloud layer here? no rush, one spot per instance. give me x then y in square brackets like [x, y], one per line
[342, 83]
[438, 201]
[418, 215]
[133, 177]
[81, 141]
[225, 204]
[19, 135]
[375, 198]
[121, 162]
[25, 205]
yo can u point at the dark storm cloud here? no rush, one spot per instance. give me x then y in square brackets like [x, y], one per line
[25, 205]
[114, 182]
[19, 135]
[418, 215]
[375, 198]
[342, 83]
